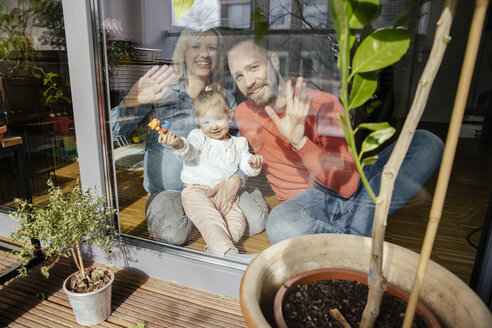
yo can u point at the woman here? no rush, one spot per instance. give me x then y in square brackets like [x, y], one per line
[198, 61]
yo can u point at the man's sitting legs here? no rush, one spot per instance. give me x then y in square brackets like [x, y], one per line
[319, 210]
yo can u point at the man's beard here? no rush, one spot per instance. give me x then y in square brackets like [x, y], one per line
[269, 94]
[263, 99]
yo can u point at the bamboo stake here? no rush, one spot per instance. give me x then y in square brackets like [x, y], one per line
[79, 253]
[449, 152]
[377, 281]
[75, 259]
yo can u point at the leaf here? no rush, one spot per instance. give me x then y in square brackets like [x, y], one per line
[402, 19]
[181, 7]
[339, 18]
[376, 139]
[45, 271]
[364, 86]
[139, 325]
[369, 160]
[374, 126]
[261, 24]
[371, 106]
[363, 12]
[227, 298]
[48, 99]
[380, 49]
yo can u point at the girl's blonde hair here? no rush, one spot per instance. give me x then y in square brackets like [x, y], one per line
[211, 97]
[186, 39]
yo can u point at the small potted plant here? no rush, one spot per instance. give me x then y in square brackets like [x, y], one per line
[66, 222]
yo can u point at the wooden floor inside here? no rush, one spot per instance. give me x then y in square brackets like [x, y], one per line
[464, 211]
[34, 301]
[465, 208]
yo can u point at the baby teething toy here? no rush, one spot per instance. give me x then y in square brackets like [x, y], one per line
[154, 125]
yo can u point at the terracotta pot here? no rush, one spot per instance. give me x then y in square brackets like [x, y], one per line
[93, 307]
[452, 302]
[340, 274]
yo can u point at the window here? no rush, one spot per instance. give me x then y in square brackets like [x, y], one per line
[306, 48]
[238, 16]
[280, 12]
[35, 103]
[315, 13]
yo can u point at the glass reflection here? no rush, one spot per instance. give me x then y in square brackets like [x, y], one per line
[299, 42]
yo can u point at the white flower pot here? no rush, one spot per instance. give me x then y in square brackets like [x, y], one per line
[93, 307]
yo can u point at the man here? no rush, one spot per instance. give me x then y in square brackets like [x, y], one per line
[307, 161]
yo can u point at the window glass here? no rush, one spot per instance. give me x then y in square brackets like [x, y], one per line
[151, 170]
[238, 15]
[315, 13]
[35, 102]
[280, 12]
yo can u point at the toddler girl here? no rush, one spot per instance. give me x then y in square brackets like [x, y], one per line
[211, 155]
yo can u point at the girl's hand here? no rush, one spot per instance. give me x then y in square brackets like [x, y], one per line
[256, 161]
[225, 193]
[171, 140]
[151, 87]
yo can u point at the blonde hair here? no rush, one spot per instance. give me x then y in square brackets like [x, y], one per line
[212, 97]
[186, 39]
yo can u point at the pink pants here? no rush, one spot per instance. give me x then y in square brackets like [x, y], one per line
[219, 230]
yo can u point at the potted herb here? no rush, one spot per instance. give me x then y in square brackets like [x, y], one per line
[66, 222]
[280, 262]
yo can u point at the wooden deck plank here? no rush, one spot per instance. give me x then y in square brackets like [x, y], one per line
[136, 299]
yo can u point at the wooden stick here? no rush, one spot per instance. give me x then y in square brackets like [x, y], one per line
[75, 259]
[377, 281]
[81, 261]
[449, 152]
[338, 316]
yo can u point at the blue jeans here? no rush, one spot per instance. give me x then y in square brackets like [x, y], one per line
[320, 210]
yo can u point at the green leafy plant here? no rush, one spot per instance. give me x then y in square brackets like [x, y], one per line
[68, 221]
[371, 53]
[16, 45]
[379, 49]
[53, 93]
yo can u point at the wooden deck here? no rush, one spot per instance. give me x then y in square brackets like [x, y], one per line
[34, 301]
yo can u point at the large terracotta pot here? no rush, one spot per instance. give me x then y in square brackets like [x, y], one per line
[448, 297]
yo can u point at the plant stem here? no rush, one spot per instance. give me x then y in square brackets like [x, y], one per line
[449, 153]
[75, 259]
[81, 262]
[376, 278]
[344, 65]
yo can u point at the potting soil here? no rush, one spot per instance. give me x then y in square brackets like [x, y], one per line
[308, 305]
[95, 279]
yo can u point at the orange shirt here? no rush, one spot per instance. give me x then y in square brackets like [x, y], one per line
[324, 159]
